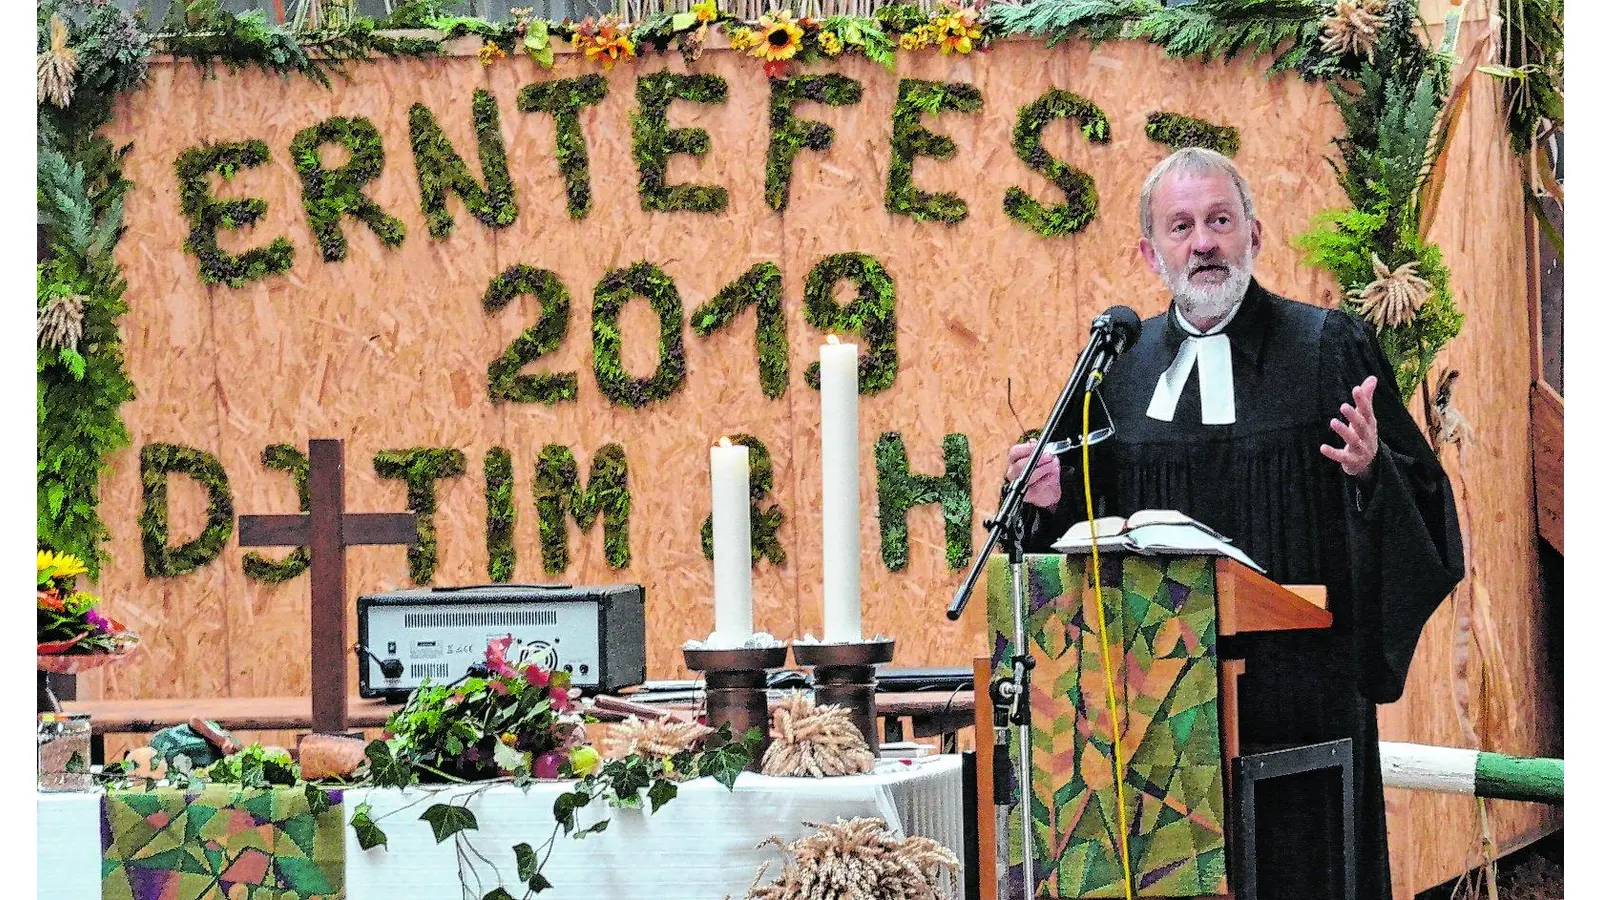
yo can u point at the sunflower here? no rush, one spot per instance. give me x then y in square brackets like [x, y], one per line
[830, 43]
[741, 39]
[59, 565]
[956, 30]
[779, 38]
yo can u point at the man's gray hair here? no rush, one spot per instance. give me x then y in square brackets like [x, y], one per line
[1191, 161]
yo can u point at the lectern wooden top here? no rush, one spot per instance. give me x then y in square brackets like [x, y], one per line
[1248, 601]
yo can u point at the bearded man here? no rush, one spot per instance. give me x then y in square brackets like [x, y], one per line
[1279, 424]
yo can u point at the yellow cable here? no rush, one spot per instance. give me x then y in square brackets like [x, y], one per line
[1105, 652]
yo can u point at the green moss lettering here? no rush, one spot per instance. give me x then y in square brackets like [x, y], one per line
[918, 98]
[562, 99]
[156, 463]
[207, 214]
[421, 468]
[540, 338]
[284, 458]
[1179, 131]
[871, 314]
[498, 494]
[642, 279]
[557, 493]
[764, 523]
[899, 489]
[441, 171]
[653, 141]
[760, 286]
[331, 194]
[1082, 201]
[790, 135]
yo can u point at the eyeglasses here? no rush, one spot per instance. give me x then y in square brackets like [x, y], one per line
[1095, 436]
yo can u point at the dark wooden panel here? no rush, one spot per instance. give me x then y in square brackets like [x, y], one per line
[1549, 463]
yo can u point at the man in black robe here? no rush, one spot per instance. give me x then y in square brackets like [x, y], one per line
[1279, 424]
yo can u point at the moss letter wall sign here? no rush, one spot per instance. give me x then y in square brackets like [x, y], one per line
[284, 458]
[156, 463]
[557, 492]
[899, 489]
[791, 135]
[764, 523]
[420, 468]
[207, 214]
[563, 99]
[919, 98]
[331, 194]
[653, 142]
[505, 382]
[1082, 201]
[871, 315]
[441, 171]
[642, 279]
[760, 286]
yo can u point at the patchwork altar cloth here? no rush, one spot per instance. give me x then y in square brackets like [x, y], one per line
[1161, 625]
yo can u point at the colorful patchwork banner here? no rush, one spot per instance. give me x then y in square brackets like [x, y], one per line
[221, 843]
[1161, 620]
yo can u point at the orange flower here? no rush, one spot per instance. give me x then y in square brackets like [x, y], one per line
[50, 600]
[607, 43]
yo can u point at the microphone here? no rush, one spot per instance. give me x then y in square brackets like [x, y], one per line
[1116, 329]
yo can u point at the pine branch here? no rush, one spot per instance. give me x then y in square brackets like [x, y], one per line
[1062, 20]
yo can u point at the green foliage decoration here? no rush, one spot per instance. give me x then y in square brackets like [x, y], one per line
[918, 98]
[331, 194]
[499, 496]
[642, 279]
[441, 171]
[158, 462]
[871, 314]
[1083, 201]
[563, 98]
[764, 523]
[899, 489]
[541, 338]
[791, 135]
[207, 214]
[760, 286]
[1178, 131]
[557, 492]
[900, 18]
[291, 459]
[1531, 64]
[653, 141]
[421, 468]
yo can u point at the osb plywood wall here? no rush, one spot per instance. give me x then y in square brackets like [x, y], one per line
[388, 349]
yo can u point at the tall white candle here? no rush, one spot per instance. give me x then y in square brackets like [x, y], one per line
[730, 540]
[841, 495]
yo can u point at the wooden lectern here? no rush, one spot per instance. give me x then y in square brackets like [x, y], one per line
[1178, 702]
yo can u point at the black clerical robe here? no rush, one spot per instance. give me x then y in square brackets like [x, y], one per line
[1388, 550]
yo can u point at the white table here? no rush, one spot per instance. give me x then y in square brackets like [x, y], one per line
[701, 846]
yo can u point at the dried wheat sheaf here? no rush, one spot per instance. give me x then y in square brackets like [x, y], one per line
[815, 741]
[858, 859]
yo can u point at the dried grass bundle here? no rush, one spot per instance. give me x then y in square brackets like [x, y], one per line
[658, 738]
[58, 66]
[1354, 26]
[815, 741]
[61, 322]
[858, 859]
[1394, 298]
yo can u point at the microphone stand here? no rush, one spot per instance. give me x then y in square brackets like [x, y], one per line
[1009, 696]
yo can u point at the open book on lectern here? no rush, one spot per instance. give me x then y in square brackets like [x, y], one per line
[1152, 532]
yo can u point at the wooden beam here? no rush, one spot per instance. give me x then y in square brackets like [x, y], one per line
[1549, 465]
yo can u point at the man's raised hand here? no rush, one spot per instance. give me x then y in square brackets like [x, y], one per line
[1359, 429]
[1044, 486]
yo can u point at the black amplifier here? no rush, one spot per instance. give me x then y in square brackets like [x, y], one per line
[594, 633]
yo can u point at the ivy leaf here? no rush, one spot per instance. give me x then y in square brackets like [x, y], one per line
[368, 834]
[508, 758]
[596, 828]
[317, 799]
[387, 770]
[660, 793]
[566, 808]
[539, 883]
[499, 893]
[448, 819]
[527, 861]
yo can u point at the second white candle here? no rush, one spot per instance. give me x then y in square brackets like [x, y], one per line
[841, 495]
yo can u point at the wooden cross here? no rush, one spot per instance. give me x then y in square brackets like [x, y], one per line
[327, 530]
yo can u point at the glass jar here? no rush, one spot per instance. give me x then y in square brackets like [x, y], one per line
[64, 752]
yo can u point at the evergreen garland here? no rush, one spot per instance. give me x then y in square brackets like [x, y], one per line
[421, 468]
[562, 99]
[441, 170]
[899, 489]
[498, 493]
[871, 314]
[790, 135]
[760, 286]
[916, 99]
[557, 493]
[653, 141]
[764, 523]
[642, 279]
[157, 462]
[330, 194]
[538, 339]
[1082, 200]
[284, 458]
[1178, 131]
[206, 214]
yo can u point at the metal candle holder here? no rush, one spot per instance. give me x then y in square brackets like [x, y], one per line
[736, 689]
[846, 674]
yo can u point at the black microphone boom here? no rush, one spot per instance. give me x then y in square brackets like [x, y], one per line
[1111, 332]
